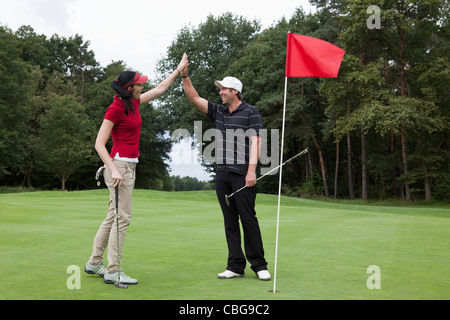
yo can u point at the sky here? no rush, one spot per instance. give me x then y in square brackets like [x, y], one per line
[137, 32]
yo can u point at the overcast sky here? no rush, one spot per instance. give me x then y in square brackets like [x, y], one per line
[137, 32]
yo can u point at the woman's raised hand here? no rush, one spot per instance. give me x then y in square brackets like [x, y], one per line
[184, 63]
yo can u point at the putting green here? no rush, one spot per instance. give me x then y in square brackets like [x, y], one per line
[175, 246]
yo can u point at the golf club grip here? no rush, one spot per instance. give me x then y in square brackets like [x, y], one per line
[117, 197]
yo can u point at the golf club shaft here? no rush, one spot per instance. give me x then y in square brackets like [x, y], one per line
[117, 228]
[297, 155]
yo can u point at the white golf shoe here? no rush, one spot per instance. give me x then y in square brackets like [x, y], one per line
[263, 275]
[227, 274]
[113, 278]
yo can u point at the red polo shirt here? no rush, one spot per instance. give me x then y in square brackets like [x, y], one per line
[127, 129]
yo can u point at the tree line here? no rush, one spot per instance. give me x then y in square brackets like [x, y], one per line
[53, 98]
[379, 130]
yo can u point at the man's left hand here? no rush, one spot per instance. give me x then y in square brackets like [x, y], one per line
[250, 179]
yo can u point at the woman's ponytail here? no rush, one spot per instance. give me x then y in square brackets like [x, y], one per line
[120, 86]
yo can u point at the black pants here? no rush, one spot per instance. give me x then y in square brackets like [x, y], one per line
[242, 205]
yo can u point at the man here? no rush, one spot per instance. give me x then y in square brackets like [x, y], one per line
[236, 167]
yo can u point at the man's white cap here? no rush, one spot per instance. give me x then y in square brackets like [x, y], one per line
[230, 83]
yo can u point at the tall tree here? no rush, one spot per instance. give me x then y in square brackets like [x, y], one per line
[16, 87]
[410, 27]
[65, 140]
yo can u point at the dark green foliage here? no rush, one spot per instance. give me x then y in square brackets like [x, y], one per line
[379, 130]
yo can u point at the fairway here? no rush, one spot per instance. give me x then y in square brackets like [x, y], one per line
[175, 246]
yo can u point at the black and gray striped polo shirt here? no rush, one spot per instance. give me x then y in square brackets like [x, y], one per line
[233, 144]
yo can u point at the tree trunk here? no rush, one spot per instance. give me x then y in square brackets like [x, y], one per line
[364, 177]
[322, 167]
[394, 191]
[322, 164]
[364, 182]
[405, 163]
[336, 170]
[402, 66]
[27, 178]
[427, 182]
[311, 168]
[351, 192]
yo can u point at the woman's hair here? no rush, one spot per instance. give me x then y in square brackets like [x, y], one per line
[121, 86]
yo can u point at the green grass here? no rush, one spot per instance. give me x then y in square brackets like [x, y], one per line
[175, 247]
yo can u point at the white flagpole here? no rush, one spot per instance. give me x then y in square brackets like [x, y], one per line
[279, 188]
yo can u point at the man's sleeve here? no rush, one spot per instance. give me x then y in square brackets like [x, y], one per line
[212, 110]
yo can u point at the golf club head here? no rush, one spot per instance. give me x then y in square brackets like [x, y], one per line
[227, 200]
[121, 285]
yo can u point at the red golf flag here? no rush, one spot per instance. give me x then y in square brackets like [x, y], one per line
[312, 57]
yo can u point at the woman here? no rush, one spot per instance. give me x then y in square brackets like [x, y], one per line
[122, 121]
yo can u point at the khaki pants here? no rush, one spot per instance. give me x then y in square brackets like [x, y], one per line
[107, 233]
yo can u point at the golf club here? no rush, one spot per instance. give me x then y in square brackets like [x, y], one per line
[99, 173]
[118, 284]
[227, 197]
